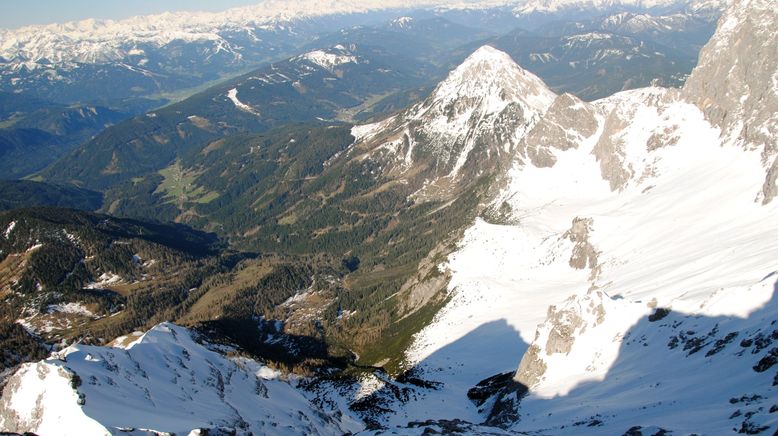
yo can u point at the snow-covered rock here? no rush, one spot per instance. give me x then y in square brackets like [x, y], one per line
[164, 381]
[327, 60]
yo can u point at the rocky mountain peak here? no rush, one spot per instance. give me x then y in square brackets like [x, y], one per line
[490, 78]
[468, 126]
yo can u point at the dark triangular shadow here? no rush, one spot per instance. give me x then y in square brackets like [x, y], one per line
[436, 389]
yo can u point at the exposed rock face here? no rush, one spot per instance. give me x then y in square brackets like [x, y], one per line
[584, 254]
[557, 335]
[736, 82]
[561, 336]
[610, 148]
[531, 368]
[567, 123]
[426, 286]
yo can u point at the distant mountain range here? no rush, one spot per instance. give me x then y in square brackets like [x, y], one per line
[158, 56]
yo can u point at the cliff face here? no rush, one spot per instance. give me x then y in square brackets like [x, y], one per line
[736, 82]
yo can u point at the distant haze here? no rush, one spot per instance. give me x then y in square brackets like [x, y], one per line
[17, 13]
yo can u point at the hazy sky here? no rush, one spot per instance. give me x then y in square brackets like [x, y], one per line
[16, 13]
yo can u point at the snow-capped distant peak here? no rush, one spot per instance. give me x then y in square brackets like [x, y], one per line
[402, 22]
[329, 60]
[529, 7]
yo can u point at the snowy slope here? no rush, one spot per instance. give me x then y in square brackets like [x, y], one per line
[689, 237]
[653, 207]
[163, 381]
[628, 280]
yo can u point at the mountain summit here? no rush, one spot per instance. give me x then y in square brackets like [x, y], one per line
[469, 124]
[485, 84]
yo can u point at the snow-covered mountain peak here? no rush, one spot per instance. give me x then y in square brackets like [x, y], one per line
[402, 23]
[487, 93]
[490, 80]
[331, 58]
[470, 122]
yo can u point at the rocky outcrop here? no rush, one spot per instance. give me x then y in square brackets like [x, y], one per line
[531, 367]
[584, 254]
[40, 397]
[610, 149]
[557, 335]
[568, 122]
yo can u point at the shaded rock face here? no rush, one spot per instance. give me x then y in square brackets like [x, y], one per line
[736, 82]
[505, 394]
[568, 122]
[488, 387]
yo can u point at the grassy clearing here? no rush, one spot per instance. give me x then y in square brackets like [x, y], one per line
[179, 188]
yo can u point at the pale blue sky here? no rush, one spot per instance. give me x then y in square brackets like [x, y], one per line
[16, 13]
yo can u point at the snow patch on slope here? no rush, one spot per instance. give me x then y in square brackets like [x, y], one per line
[232, 94]
[9, 229]
[71, 308]
[105, 280]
